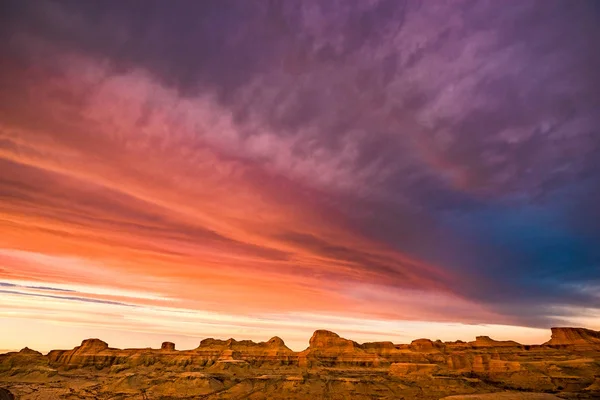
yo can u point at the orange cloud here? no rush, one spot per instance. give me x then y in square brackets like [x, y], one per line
[116, 182]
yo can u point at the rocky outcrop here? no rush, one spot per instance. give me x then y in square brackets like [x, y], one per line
[26, 359]
[273, 351]
[574, 336]
[93, 346]
[91, 352]
[26, 351]
[398, 353]
[96, 353]
[167, 346]
[486, 341]
[425, 345]
[484, 355]
[328, 348]
[379, 347]
[331, 364]
[332, 342]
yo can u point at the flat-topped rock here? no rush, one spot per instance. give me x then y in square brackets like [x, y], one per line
[210, 342]
[574, 336]
[168, 346]
[424, 345]
[328, 348]
[323, 339]
[486, 341]
[92, 346]
[331, 343]
[378, 346]
[91, 352]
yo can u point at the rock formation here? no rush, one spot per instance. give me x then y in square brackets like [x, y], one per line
[569, 364]
[486, 341]
[328, 348]
[272, 351]
[168, 346]
[26, 351]
[92, 352]
[574, 336]
[423, 345]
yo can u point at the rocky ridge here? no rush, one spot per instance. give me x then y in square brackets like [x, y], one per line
[568, 363]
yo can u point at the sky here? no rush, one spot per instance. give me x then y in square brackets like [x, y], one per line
[386, 169]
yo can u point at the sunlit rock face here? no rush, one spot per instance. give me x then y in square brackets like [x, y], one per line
[92, 352]
[424, 345]
[92, 346]
[328, 349]
[330, 365]
[168, 346]
[574, 336]
[486, 341]
[329, 344]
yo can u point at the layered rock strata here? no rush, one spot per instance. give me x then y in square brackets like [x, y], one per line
[569, 363]
[325, 349]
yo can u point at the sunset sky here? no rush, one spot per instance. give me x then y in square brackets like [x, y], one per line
[386, 169]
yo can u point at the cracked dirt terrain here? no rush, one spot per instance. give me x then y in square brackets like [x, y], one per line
[567, 367]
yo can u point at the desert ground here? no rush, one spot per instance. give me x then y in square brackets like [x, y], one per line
[565, 367]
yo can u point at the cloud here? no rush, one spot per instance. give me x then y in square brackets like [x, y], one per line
[7, 284]
[69, 298]
[307, 156]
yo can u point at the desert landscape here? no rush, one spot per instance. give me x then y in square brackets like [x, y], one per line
[332, 367]
[299, 199]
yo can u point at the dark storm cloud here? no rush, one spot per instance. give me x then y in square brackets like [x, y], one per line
[466, 132]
